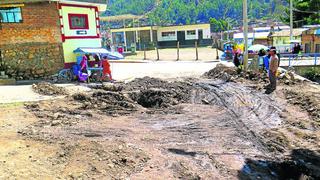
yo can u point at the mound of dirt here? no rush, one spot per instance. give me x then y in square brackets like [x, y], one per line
[108, 87]
[155, 98]
[145, 83]
[179, 90]
[221, 71]
[112, 103]
[46, 88]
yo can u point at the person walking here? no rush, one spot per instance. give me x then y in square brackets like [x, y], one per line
[273, 68]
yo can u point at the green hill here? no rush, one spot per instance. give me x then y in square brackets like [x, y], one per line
[193, 11]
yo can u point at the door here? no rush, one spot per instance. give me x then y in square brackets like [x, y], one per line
[200, 36]
[307, 48]
[181, 37]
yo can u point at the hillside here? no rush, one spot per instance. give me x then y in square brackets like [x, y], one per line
[192, 11]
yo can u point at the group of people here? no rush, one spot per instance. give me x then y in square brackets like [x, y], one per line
[81, 68]
[296, 49]
[269, 61]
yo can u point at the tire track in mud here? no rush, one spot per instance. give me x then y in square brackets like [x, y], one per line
[242, 103]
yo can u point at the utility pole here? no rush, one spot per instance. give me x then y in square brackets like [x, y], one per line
[291, 20]
[245, 29]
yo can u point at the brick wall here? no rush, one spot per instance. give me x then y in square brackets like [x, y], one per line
[36, 39]
[40, 24]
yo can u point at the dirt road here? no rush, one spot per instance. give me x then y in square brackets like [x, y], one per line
[199, 128]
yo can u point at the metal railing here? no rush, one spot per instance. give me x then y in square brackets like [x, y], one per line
[296, 58]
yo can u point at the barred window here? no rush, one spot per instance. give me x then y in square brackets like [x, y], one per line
[78, 21]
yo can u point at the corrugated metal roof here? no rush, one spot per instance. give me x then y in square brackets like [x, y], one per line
[286, 33]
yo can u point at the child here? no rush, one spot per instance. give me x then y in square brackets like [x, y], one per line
[106, 68]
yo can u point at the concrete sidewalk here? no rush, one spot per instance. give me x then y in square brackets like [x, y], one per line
[24, 93]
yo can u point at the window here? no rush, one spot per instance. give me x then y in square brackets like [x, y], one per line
[78, 21]
[10, 15]
[168, 34]
[192, 33]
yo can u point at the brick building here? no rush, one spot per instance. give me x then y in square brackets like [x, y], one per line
[33, 34]
[311, 40]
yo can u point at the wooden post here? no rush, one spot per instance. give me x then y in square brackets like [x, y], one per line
[197, 54]
[157, 48]
[145, 54]
[178, 51]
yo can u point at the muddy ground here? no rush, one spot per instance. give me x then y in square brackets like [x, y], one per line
[220, 126]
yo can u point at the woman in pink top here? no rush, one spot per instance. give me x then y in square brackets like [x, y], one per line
[84, 62]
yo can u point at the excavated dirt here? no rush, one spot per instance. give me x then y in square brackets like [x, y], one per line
[220, 126]
[46, 88]
[307, 101]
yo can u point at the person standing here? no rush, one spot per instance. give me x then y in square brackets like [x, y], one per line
[273, 68]
[236, 60]
[84, 63]
[106, 69]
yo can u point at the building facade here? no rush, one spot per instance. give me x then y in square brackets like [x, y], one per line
[311, 40]
[38, 36]
[281, 40]
[163, 37]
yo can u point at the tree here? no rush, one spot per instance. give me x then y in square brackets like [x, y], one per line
[167, 12]
[305, 12]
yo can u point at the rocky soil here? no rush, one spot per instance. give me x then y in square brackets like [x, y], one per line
[219, 126]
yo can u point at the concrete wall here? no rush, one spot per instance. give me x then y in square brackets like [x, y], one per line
[204, 27]
[32, 49]
[73, 40]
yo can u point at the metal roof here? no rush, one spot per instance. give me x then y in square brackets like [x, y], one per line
[286, 33]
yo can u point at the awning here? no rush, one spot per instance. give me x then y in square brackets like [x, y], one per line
[102, 51]
[91, 50]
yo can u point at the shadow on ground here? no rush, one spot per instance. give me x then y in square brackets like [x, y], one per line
[302, 164]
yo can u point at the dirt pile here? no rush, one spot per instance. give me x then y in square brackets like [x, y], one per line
[221, 71]
[179, 90]
[155, 98]
[112, 103]
[308, 102]
[46, 88]
[226, 73]
[108, 87]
